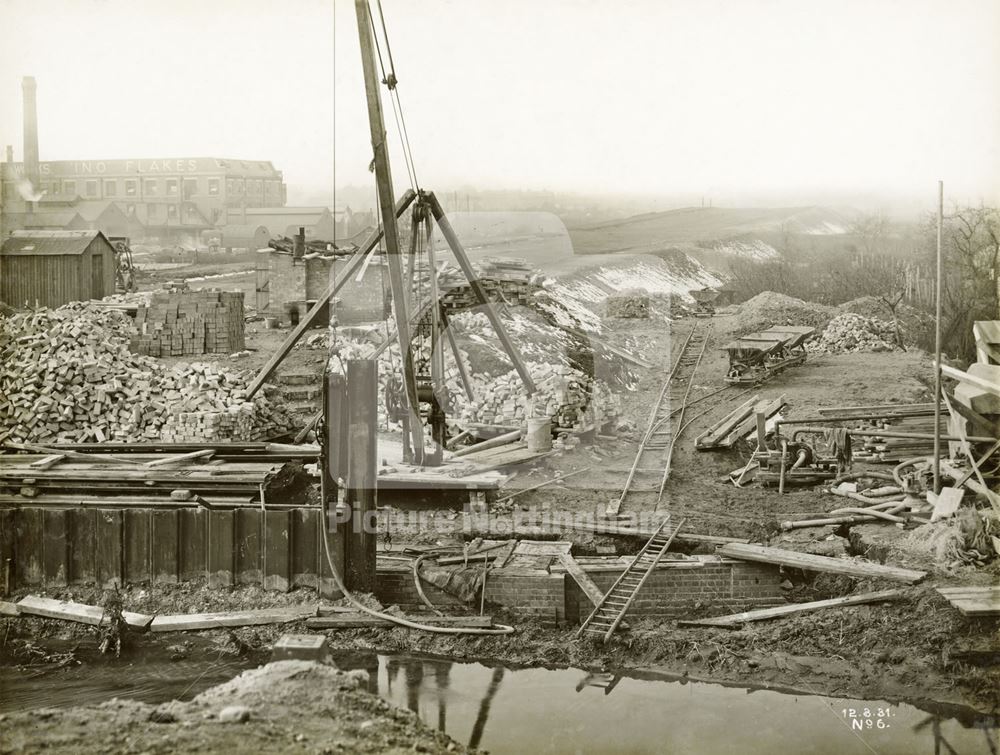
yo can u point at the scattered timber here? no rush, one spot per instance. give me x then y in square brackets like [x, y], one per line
[9, 609]
[973, 601]
[590, 589]
[737, 619]
[78, 612]
[714, 436]
[819, 563]
[194, 621]
[364, 621]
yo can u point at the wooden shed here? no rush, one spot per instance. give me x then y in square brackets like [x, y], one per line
[52, 268]
[249, 237]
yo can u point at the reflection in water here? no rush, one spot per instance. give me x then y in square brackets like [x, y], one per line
[537, 710]
[941, 745]
[442, 681]
[414, 679]
[484, 707]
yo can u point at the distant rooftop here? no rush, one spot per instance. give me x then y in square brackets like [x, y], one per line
[24, 243]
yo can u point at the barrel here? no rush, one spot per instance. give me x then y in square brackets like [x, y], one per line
[539, 436]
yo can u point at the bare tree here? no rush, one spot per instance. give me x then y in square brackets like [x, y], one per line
[971, 255]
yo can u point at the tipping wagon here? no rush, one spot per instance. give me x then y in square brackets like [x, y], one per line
[755, 357]
[705, 299]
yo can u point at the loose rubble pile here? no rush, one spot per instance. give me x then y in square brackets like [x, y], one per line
[850, 333]
[916, 327]
[632, 304]
[769, 308]
[67, 375]
[565, 395]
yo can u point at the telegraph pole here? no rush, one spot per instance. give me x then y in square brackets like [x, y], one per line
[937, 345]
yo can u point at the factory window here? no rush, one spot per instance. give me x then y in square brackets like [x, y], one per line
[69, 187]
[190, 187]
[172, 211]
[171, 187]
[91, 188]
[229, 186]
[131, 187]
[151, 211]
[213, 187]
[239, 185]
[110, 187]
[130, 209]
[149, 187]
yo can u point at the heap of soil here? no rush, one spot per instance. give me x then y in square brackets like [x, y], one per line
[288, 706]
[631, 304]
[769, 308]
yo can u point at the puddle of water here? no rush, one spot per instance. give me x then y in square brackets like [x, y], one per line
[553, 711]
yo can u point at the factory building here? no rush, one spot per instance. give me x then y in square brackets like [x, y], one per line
[165, 198]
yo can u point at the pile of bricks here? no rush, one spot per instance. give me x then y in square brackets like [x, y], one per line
[67, 375]
[189, 323]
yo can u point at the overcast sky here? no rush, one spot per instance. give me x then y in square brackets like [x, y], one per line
[652, 96]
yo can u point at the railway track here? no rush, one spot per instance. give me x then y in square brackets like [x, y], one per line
[651, 466]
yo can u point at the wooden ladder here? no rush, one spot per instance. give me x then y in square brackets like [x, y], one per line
[608, 614]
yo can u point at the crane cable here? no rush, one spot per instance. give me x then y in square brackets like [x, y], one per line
[391, 81]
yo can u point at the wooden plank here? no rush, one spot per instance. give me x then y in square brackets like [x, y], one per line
[810, 562]
[95, 458]
[249, 555]
[55, 548]
[137, 541]
[83, 545]
[305, 533]
[109, 553]
[79, 612]
[9, 609]
[204, 453]
[277, 561]
[589, 587]
[362, 621]
[970, 607]
[164, 561]
[724, 426]
[192, 543]
[737, 619]
[221, 548]
[965, 377]
[195, 621]
[47, 461]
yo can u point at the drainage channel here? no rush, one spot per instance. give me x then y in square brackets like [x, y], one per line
[547, 711]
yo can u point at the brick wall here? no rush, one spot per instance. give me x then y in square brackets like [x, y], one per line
[674, 588]
[554, 598]
[286, 282]
[364, 300]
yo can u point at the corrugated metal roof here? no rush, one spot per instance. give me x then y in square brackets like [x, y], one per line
[35, 243]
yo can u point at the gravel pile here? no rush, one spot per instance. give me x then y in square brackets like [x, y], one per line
[850, 332]
[769, 308]
[67, 375]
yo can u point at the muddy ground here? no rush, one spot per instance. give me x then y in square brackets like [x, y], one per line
[283, 707]
[912, 648]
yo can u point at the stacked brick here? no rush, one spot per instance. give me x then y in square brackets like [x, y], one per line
[190, 323]
[67, 375]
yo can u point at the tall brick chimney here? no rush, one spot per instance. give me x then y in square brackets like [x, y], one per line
[30, 131]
